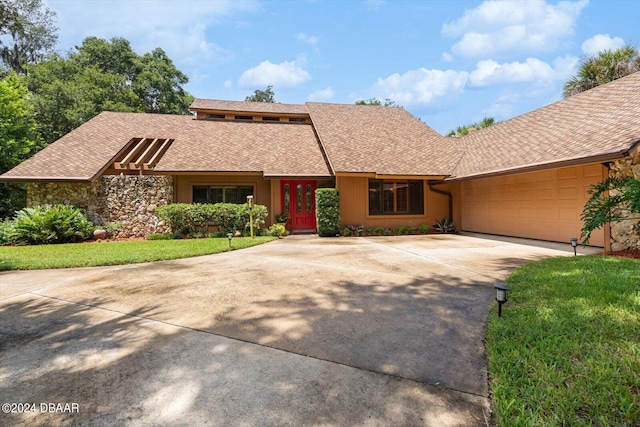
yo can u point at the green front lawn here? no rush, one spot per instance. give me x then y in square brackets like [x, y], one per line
[567, 348]
[114, 253]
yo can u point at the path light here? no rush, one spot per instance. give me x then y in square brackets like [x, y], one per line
[250, 203]
[230, 236]
[501, 296]
[574, 243]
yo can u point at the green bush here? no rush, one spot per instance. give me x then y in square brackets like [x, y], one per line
[7, 234]
[52, 224]
[328, 211]
[194, 219]
[423, 229]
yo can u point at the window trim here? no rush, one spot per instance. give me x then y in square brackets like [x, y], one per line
[395, 213]
[223, 187]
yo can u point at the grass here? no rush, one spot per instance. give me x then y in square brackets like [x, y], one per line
[114, 253]
[566, 350]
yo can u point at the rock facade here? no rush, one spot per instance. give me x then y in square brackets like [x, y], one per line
[625, 234]
[129, 200]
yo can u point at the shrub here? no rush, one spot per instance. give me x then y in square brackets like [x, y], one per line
[346, 232]
[445, 226]
[376, 231]
[7, 234]
[401, 229]
[163, 236]
[194, 219]
[182, 217]
[327, 211]
[277, 230]
[423, 229]
[52, 224]
[355, 230]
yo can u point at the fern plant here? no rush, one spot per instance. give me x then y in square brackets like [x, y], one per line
[52, 224]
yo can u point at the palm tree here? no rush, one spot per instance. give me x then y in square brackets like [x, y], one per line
[607, 66]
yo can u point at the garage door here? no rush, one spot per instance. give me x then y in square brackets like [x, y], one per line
[542, 205]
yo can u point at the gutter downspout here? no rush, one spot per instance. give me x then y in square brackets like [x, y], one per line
[444, 193]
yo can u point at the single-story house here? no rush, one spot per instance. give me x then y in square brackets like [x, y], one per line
[526, 177]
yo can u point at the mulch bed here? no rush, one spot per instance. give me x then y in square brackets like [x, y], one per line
[629, 253]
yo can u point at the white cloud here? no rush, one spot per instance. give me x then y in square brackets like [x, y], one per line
[312, 40]
[600, 42]
[490, 72]
[505, 26]
[421, 86]
[447, 57]
[287, 73]
[322, 95]
[228, 84]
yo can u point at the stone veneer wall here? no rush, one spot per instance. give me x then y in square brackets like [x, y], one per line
[127, 199]
[625, 234]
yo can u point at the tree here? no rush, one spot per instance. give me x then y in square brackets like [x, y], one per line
[29, 33]
[18, 138]
[612, 200]
[266, 95]
[465, 130]
[605, 67]
[103, 76]
[376, 102]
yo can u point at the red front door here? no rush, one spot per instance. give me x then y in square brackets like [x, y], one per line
[299, 204]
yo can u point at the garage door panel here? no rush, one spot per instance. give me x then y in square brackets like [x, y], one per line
[545, 205]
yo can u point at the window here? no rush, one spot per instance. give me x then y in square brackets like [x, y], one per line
[297, 120]
[214, 116]
[243, 117]
[270, 119]
[388, 197]
[218, 194]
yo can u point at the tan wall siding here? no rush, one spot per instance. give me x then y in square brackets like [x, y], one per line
[184, 188]
[354, 206]
[542, 205]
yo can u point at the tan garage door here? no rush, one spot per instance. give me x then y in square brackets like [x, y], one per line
[542, 205]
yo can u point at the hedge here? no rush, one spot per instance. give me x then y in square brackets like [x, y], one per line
[328, 211]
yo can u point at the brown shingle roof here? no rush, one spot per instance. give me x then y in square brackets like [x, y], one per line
[599, 124]
[248, 107]
[381, 140]
[199, 145]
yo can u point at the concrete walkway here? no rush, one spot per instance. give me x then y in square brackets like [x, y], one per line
[301, 331]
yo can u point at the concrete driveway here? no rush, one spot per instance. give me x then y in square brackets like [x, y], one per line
[301, 331]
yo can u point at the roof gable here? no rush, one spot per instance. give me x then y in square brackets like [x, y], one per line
[381, 140]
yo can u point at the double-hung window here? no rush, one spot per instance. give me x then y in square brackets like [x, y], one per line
[221, 194]
[396, 197]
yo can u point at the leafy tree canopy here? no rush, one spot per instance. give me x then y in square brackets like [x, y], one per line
[602, 68]
[375, 101]
[18, 138]
[101, 76]
[27, 33]
[266, 95]
[465, 130]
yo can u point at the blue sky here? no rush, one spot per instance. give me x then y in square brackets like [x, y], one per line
[447, 62]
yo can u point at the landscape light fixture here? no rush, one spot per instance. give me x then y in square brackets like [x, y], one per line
[574, 243]
[230, 236]
[501, 296]
[250, 203]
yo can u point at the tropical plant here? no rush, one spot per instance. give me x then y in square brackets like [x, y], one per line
[277, 230]
[52, 224]
[612, 200]
[445, 226]
[604, 67]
